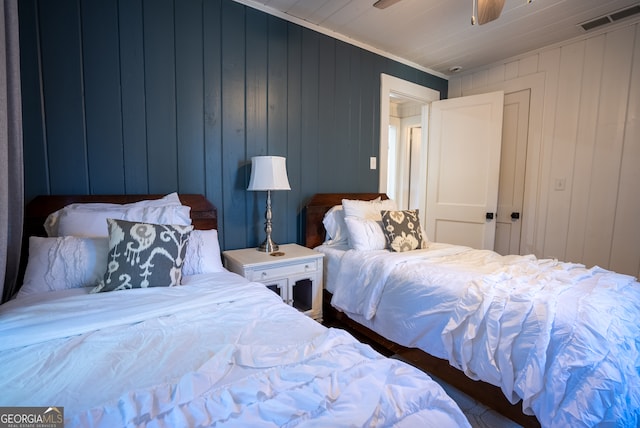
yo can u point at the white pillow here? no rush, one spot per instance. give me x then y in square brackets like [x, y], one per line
[51, 224]
[365, 234]
[368, 209]
[335, 226]
[72, 262]
[203, 253]
[93, 223]
[62, 263]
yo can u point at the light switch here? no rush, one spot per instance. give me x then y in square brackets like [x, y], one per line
[559, 183]
[373, 164]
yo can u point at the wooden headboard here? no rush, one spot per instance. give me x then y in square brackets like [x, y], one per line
[317, 207]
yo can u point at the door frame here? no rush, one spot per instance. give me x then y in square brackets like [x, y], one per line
[391, 85]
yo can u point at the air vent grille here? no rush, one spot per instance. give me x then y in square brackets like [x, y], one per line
[610, 18]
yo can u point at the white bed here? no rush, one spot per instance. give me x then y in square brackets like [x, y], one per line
[216, 351]
[562, 338]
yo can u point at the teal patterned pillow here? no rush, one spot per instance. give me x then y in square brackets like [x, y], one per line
[402, 230]
[144, 255]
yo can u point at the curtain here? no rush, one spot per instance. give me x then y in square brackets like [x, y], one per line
[11, 171]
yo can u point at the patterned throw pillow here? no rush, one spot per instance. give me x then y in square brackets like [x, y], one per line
[144, 255]
[402, 230]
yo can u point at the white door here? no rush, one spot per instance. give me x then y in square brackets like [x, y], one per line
[513, 159]
[463, 169]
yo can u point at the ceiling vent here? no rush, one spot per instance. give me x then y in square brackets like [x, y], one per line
[610, 18]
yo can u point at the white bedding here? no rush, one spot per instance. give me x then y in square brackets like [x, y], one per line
[563, 338]
[217, 351]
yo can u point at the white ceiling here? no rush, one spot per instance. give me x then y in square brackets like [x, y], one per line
[436, 35]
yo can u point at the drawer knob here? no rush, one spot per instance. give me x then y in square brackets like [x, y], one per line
[264, 274]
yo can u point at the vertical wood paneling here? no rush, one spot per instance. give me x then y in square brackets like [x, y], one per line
[496, 74]
[160, 94]
[550, 64]
[257, 83]
[353, 145]
[604, 175]
[189, 96]
[528, 65]
[36, 182]
[344, 143]
[181, 94]
[134, 131]
[511, 70]
[310, 114]
[61, 47]
[590, 136]
[583, 162]
[277, 119]
[369, 117]
[625, 251]
[103, 106]
[327, 135]
[563, 146]
[294, 131]
[212, 52]
[233, 125]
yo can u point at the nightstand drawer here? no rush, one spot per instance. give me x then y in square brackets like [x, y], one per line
[282, 271]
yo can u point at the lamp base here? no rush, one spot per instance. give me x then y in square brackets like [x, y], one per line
[268, 246]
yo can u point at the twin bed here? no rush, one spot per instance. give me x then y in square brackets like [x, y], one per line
[559, 340]
[217, 350]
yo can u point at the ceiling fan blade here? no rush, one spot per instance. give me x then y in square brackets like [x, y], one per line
[383, 4]
[488, 10]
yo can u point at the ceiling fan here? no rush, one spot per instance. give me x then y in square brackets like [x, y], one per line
[486, 11]
[483, 10]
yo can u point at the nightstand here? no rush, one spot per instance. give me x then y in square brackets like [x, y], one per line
[296, 275]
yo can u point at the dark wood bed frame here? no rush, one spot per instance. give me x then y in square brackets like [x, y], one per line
[485, 393]
[204, 215]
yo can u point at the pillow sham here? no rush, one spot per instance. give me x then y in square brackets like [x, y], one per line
[63, 263]
[92, 224]
[365, 234]
[367, 209]
[134, 211]
[335, 226]
[402, 230]
[203, 253]
[144, 255]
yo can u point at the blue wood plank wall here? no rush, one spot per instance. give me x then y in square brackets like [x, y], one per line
[156, 96]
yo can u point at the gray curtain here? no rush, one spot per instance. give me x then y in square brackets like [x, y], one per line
[11, 171]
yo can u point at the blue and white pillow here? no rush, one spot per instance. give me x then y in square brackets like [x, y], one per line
[402, 230]
[144, 255]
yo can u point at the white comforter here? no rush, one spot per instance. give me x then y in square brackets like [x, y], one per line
[217, 351]
[563, 338]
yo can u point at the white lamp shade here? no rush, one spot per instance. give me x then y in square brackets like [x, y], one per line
[268, 173]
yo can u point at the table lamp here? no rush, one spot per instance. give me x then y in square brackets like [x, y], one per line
[268, 173]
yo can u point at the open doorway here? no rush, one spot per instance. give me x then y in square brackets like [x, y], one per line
[405, 141]
[404, 115]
